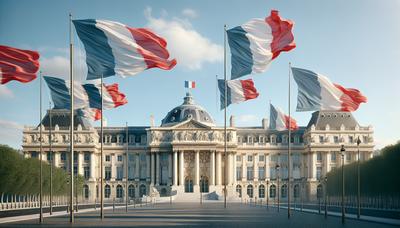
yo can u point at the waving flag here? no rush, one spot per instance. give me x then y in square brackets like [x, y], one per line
[91, 113]
[255, 44]
[279, 121]
[190, 84]
[85, 95]
[113, 48]
[237, 91]
[317, 92]
[17, 64]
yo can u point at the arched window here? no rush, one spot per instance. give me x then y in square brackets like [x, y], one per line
[250, 191]
[107, 191]
[131, 191]
[120, 191]
[296, 191]
[86, 191]
[272, 191]
[142, 190]
[239, 190]
[319, 191]
[261, 191]
[284, 191]
[188, 185]
[204, 184]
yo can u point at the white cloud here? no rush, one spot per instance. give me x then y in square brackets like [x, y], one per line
[189, 13]
[5, 92]
[188, 46]
[246, 119]
[10, 133]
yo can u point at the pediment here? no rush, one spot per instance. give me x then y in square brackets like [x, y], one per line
[191, 124]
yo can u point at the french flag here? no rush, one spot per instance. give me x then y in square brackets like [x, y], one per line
[190, 84]
[113, 48]
[317, 92]
[237, 91]
[91, 113]
[85, 95]
[17, 64]
[256, 43]
[280, 121]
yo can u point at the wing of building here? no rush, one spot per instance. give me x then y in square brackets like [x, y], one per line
[185, 155]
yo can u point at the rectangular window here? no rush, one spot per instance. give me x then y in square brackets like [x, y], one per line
[272, 173]
[250, 175]
[261, 158]
[119, 158]
[261, 173]
[351, 139]
[333, 157]
[107, 171]
[336, 139]
[239, 173]
[34, 154]
[238, 158]
[365, 139]
[348, 156]
[319, 172]
[137, 139]
[63, 156]
[86, 172]
[319, 156]
[48, 156]
[108, 158]
[321, 139]
[131, 157]
[120, 173]
[86, 156]
[250, 158]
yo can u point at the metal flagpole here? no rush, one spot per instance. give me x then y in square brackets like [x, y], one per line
[51, 161]
[71, 73]
[101, 156]
[41, 151]
[289, 147]
[226, 100]
[358, 180]
[126, 168]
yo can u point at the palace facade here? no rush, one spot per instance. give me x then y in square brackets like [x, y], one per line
[185, 155]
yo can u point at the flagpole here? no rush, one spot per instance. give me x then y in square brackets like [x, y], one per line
[101, 156]
[41, 151]
[126, 168]
[289, 147]
[71, 73]
[51, 161]
[226, 100]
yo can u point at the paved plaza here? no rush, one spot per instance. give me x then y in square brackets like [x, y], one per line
[209, 214]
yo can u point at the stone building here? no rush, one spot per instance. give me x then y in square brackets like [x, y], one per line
[185, 155]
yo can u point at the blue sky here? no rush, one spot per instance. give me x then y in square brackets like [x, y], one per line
[354, 43]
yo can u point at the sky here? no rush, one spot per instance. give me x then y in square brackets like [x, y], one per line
[354, 43]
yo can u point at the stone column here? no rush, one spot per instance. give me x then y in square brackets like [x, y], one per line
[80, 163]
[327, 164]
[313, 165]
[92, 166]
[181, 167]
[113, 168]
[255, 165]
[234, 169]
[218, 167]
[175, 168]
[148, 166]
[197, 168]
[244, 168]
[157, 168]
[56, 159]
[152, 169]
[230, 168]
[170, 169]
[137, 167]
[267, 167]
[212, 168]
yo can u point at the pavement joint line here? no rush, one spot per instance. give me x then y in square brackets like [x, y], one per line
[57, 213]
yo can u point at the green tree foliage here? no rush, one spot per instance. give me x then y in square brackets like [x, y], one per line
[380, 176]
[21, 176]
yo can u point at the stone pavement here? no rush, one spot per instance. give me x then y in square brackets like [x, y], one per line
[209, 214]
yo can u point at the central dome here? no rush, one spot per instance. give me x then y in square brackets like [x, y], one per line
[187, 110]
